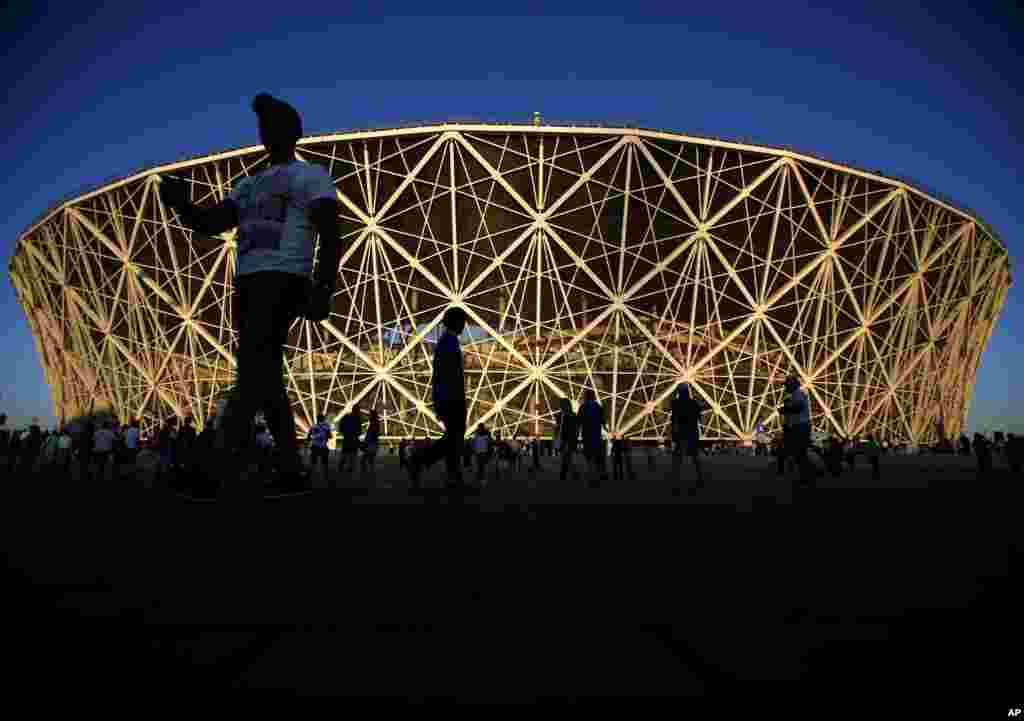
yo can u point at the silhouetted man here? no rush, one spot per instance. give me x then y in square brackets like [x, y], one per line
[965, 445]
[103, 449]
[186, 448]
[686, 413]
[319, 435]
[481, 443]
[592, 421]
[166, 444]
[796, 421]
[874, 452]
[983, 452]
[618, 458]
[349, 427]
[277, 212]
[131, 445]
[5, 436]
[31, 444]
[568, 438]
[448, 392]
[371, 442]
[88, 430]
[402, 445]
[1013, 452]
[835, 456]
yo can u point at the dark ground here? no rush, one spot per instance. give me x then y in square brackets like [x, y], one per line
[906, 590]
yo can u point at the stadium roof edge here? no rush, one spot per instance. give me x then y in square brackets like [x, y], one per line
[584, 127]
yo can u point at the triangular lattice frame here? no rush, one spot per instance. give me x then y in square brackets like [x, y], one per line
[621, 259]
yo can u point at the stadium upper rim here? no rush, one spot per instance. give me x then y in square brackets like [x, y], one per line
[574, 127]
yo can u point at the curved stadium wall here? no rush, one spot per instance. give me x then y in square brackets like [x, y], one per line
[621, 259]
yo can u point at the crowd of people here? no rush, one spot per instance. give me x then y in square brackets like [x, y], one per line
[103, 449]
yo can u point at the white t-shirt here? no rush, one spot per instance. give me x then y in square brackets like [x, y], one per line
[103, 440]
[275, 230]
[131, 438]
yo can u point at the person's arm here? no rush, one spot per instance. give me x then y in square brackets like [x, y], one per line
[208, 221]
[444, 365]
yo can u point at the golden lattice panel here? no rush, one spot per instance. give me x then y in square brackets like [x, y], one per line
[618, 259]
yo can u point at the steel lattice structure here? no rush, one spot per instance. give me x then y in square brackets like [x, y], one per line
[623, 259]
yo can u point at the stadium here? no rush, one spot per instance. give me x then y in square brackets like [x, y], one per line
[617, 258]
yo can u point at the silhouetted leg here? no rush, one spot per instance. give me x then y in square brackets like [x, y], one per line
[697, 467]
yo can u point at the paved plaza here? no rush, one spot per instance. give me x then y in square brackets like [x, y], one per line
[530, 588]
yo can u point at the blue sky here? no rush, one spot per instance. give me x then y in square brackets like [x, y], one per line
[929, 92]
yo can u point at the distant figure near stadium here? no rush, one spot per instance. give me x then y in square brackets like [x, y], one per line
[686, 412]
[276, 211]
[796, 414]
[448, 392]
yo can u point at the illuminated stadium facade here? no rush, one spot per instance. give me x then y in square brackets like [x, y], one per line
[621, 259]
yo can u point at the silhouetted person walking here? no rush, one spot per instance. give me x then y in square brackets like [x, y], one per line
[203, 454]
[874, 453]
[618, 459]
[14, 452]
[64, 443]
[592, 421]
[277, 212]
[568, 439]
[85, 450]
[983, 452]
[5, 437]
[686, 413]
[402, 445]
[103, 450]
[1013, 452]
[481, 443]
[627, 457]
[185, 449]
[349, 428]
[131, 446]
[166, 439]
[371, 443]
[264, 447]
[448, 392]
[796, 415]
[517, 447]
[835, 456]
[319, 436]
[965, 445]
[31, 444]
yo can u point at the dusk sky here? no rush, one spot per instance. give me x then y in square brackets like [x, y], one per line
[927, 93]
